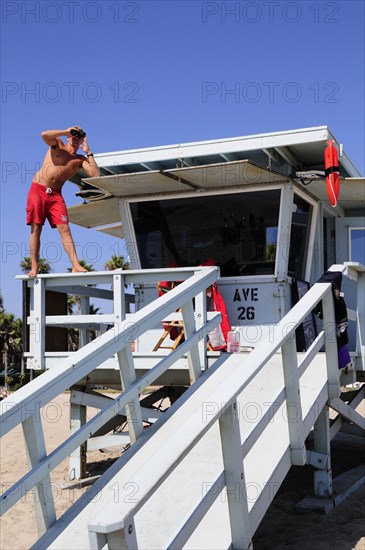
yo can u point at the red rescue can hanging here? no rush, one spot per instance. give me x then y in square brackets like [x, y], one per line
[332, 172]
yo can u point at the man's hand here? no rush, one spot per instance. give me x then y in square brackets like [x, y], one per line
[85, 146]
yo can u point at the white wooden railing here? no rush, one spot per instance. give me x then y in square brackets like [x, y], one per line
[166, 444]
[114, 524]
[89, 285]
[23, 407]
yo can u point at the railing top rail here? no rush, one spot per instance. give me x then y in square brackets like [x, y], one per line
[356, 266]
[161, 273]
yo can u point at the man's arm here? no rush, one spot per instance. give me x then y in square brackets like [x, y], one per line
[51, 136]
[89, 164]
[91, 168]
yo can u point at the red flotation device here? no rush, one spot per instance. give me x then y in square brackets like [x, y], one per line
[332, 172]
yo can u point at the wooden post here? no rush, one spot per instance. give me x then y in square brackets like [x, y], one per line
[234, 477]
[132, 408]
[38, 328]
[293, 402]
[195, 369]
[84, 310]
[42, 493]
[121, 539]
[77, 462]
[322, 444]
[201, 319]
[330, 340]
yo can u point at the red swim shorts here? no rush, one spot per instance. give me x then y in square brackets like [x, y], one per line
[45, 203]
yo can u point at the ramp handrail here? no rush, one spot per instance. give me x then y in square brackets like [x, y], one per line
[114, 523]
[24, 406]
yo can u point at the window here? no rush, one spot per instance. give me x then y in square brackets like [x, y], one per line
[238, 231]
[357, 244]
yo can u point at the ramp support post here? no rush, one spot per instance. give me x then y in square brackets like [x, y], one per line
[77, 462]
[321, 440]
[42, 493]
[235, 478]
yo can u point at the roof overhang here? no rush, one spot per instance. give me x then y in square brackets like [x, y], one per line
[352, 192]
[201, 178]
[301, 148]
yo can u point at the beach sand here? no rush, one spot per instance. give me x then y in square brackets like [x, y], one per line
[282, 527]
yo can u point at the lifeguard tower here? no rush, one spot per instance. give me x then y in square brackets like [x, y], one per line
[257, 207]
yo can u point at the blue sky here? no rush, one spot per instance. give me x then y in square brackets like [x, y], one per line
[138, 74]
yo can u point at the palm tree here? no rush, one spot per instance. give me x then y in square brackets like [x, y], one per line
[116, 262]
[6, 335]
[43, 265]
[17, 342]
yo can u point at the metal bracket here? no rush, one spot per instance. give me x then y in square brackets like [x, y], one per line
[318, 460]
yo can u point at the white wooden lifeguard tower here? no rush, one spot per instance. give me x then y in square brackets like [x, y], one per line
[256, 205]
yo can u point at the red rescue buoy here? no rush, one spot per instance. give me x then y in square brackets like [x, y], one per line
[332, 172]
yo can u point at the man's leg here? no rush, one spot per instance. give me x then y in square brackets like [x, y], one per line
[34, 245]
[69, 246]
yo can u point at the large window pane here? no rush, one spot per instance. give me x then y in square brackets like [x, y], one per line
[238, 231]
[357, 244]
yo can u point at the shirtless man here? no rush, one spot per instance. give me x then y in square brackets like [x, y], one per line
[45, 199]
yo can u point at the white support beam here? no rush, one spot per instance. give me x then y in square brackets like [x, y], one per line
[284, 229]
[84, 310]
[133, 407]
[235, 478]
[322, 444]
[77, 460]
[121, 539]
[293, 402]
[195, 369]
[38, 324]
[119, 298]
[347, 412]
[36, 451]
[329, 327]
[200, 320]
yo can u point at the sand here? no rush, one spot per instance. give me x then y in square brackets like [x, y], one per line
[282, 527]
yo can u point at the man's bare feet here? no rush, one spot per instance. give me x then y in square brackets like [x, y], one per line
[33, 272]
[78, 269]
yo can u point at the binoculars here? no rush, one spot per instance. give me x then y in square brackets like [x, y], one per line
[78, 133]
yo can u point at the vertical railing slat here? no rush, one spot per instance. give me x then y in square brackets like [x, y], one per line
[38, 333]
[42, 493]
[293, 401]
[330, 341]
[193, 356]
[132, 408]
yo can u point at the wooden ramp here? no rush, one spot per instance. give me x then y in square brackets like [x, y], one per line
[196, 487]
